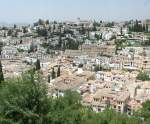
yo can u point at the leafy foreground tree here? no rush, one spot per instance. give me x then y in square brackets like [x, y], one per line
[25, 101]
[144, 113]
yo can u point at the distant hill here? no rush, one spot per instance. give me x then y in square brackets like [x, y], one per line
[12, 24]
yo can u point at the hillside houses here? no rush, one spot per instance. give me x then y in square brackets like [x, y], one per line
[100, 60]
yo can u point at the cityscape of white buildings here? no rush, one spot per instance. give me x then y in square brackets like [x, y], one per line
[100, 60]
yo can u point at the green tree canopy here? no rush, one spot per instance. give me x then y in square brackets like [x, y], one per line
[24, 100]
[143, 76]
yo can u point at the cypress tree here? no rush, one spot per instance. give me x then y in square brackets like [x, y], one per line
[147, 28]
[53, 74]
[82, 29]
[121, 32]
[1, 73]
[15, 26]
[4, 34]
[49, 78]
[58, 72]
[88, 33]
[38, 67]
[1, 44]
[60, 42]
[31, 47]
[144, 28]
[1, 70]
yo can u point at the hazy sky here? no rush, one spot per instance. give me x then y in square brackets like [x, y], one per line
[31, 10]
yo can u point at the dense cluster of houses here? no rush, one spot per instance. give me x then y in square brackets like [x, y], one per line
[98, 60]
[118, 89]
